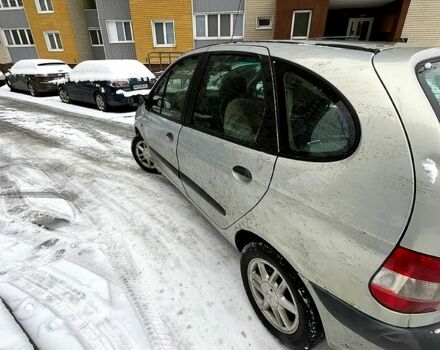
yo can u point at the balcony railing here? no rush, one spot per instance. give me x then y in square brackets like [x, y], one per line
[162, 59]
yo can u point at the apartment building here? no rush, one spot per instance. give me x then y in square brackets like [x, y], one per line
[159, 31]
[16, 34]
[161, 35]
[217, 21]
[259, 19]
[114, 20]
[45, 28]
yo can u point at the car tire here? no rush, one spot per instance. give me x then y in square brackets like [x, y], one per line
[101, 103]
[141, 154]
[64, 95]
[289, 312]
[32, 90]
[10, 85]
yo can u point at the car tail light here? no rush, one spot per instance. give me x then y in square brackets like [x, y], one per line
[408, 282]
[120, 84]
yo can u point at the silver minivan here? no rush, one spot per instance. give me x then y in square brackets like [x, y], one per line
[318, 162]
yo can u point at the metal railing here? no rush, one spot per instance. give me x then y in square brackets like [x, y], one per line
[162, 59]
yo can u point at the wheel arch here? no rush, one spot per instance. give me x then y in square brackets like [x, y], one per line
[244, 237]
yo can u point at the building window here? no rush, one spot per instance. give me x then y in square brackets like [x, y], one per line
[11, 4]
[53, 41]
[95, 37]
[44, 6]
[219, 25]
[301, 24]
[264, 22]
[18, 37]
[119, 31]
[163, 34]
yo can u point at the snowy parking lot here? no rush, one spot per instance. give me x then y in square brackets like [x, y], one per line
[96, 253]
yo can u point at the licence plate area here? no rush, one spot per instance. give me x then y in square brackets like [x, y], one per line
[140, 86]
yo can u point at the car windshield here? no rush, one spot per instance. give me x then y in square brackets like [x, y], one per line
[429, 76]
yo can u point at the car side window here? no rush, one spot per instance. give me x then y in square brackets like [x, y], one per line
[316, 121]
[231, 101]
[169, 99]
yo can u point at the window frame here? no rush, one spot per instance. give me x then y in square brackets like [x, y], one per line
[426, 89]
[310, 12]
[165, 76]
[27, 31]
[218, 37]
[270, 26]
[164, 22]
[10, 7]
[40, 10]
[271, 147]
[96, 29]
[46, 37]
[111, 21]
[284, 151]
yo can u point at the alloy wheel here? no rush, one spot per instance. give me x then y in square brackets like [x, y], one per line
[100, 102]
[143, 154]
[64, 96]
[273, 295]
[31, 89]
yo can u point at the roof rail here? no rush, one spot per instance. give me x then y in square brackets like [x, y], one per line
[341, 45]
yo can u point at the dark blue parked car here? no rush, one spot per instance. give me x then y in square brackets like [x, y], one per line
[106, 83]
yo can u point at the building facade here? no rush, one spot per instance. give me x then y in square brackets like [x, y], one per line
[157, 32]
[59, 30]
[116, 28]
[375, 20]
[259, 19]
[217, 21]
[4, 55]
[16, 34]
[422, 25]
[161, 36]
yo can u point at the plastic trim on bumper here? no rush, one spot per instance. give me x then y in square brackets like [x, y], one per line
[379, 333]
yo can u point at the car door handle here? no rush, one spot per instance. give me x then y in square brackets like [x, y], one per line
[170, 136]
[242, 174]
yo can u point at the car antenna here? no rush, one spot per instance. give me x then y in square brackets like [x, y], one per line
[235, 21]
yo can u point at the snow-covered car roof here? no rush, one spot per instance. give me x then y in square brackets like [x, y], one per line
[40, 66]
[110, 70]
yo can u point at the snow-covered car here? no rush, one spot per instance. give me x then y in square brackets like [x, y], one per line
[36, 76]
[106, 83]
[2, 79]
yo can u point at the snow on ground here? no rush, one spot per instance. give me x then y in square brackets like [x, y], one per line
[124, 116]
[97, 254]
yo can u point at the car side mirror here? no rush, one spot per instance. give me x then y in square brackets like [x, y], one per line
[136, 100]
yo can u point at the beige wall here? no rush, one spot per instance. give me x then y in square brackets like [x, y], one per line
[422, 25]
[4, 54]
[80, 30]
[254, 9]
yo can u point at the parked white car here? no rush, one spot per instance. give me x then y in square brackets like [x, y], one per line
[36, 75]
[319, 162]
[106, 83]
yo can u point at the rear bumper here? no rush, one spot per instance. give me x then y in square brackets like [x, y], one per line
[114, 99]
[45, 87]
[376, 332]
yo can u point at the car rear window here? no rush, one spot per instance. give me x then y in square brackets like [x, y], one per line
[429, 77]
[51, 64]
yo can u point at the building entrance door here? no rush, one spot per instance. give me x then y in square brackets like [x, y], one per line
[360, 28]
